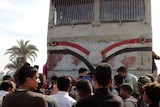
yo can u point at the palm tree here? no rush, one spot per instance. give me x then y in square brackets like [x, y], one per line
[16, 64]
[22, 52]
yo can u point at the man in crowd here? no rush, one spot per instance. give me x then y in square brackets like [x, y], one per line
[129, 78]
[82, 72]
[6, 87]
[28, 79]
[152, 94]
[125, 93]
[62, 97]
[102, 96]
[142, 81]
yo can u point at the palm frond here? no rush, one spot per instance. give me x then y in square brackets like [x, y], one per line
[21, 53]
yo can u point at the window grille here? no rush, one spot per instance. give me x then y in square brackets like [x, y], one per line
[121, 10]
[73, 11]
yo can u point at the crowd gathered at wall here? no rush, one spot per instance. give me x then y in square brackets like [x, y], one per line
[29, 88]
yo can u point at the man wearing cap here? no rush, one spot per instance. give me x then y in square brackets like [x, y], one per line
[142, 80]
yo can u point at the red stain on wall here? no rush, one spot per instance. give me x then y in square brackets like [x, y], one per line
[128, 61]
[52, 60]
[111, 62]
[76, 61]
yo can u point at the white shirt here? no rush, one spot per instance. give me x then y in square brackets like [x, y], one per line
[3, 93]
[63, 99]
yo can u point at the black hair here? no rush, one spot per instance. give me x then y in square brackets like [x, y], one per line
[84, 86]
[36, 66]
[27, 64]
[153, 91]
[122, 69]
[42, 79]
[63, 83]
[5, 85]
[24, 72]
[54, 79]
[81, 70]
[127, 87]
[6, 77]
[103, 73]
[118, 79]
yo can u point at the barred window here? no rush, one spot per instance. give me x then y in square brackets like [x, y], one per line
[73, 11]
[121, 10]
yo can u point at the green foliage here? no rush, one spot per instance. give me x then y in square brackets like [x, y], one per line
[14, 65]
[19, 54]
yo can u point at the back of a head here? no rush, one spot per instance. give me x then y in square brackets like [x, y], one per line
[27, 64]
[6, 77]
[84, 86]
[127, 87]
[24, 72]
[153, 91]
[5, 85]
[118, 79]
[103, 73]
[63, 83]
[54, 80]
[122, 69]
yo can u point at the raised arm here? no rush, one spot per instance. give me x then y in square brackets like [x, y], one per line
[155, 55]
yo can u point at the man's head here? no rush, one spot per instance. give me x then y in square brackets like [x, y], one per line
[143, 80]
[43, 81]
[84, 88]
[7, 77]
[102, 75]
[27, 77]
[152, 93]
[7, 85]
[151, 76]
[126, 90]
[118, 80]
[63, 83]
[122, 71]
[54, 80]
[82, 72]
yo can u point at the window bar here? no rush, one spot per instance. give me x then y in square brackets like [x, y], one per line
[135, 8]
[104, 10]
[119, 10]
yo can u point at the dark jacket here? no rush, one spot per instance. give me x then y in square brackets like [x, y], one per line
[25, 98]
[101, 98]
[154, 105]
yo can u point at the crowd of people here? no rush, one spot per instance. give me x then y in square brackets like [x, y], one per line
[29, 88]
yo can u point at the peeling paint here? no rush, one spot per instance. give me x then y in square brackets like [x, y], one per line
[128, 61]
[76, 61]
[111, 62]
[52, 60]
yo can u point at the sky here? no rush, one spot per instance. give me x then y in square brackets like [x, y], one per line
[28, 20]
